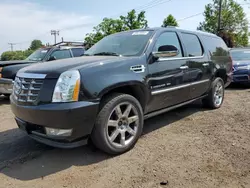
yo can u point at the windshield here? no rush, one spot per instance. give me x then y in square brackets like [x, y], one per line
[239, 55]
[124, 44]
[38, 55]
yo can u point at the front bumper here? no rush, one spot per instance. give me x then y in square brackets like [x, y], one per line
[79, 116]
[6, 86]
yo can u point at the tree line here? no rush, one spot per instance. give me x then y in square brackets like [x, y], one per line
[20, 55]
[233, 30]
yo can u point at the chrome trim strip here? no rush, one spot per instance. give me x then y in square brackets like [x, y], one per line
[199, 82]
[180, 58]
[31, 75]
[178, 87]
[169, 89]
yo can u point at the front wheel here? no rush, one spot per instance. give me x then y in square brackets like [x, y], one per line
[215, 96]
[119, 124]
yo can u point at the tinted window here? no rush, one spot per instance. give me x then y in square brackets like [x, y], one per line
[192, 45]
[61, 54]
[130, 43]
[77, 52]
[215, 46]
[38, 55]
[168, 38]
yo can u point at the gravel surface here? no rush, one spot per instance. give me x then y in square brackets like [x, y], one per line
[188, 147]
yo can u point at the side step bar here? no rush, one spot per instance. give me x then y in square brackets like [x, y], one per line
[152, 114]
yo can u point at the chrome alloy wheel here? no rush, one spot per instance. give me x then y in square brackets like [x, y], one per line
[218, 94]
[122, 125]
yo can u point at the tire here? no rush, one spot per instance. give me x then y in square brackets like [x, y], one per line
[112, 138]
[210, 101]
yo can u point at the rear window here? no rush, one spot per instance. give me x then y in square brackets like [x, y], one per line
[77, 52]
[215, 46]
[192, 44]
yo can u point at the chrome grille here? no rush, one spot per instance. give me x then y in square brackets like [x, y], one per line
[27, 90]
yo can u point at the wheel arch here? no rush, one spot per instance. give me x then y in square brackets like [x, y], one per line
[221, 73]
[134, 88]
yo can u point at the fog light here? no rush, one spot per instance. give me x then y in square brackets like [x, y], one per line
[58, 132]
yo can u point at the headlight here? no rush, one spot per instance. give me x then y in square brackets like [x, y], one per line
[67, 87]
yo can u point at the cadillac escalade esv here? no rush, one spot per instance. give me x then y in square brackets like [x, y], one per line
[125, 78]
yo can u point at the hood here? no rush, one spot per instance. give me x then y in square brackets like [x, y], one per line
[53, 69]
[15, 62]
[241, 63]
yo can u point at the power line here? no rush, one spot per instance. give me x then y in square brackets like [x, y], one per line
[11, 45]
[154, 5]
[151, 3]
[194, 15]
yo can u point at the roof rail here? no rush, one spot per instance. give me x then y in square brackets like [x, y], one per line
[69, 43]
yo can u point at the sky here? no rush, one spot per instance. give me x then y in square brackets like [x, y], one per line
[22, 21]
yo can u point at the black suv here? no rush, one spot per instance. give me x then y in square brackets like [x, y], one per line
[62, 50]
[122, 80]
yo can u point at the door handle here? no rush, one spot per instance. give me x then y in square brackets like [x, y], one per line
[205, 64]
[184, 67]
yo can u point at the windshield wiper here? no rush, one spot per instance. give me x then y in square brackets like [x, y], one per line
[108, 53]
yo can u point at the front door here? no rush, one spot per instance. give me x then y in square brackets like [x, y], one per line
[168, 77]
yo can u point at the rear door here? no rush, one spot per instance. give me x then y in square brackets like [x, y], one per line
[200, 68]
[168, 76]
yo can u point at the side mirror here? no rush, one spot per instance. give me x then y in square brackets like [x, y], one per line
[52, 58]
[166, 51]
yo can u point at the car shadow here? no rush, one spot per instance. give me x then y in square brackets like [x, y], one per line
[24, 159]
[238, 86]
[4, 100]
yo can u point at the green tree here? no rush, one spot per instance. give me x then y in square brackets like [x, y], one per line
[169, 21]
[109, 26]
[233, 21]
[35, 44]
[15, 55]
[134, 21]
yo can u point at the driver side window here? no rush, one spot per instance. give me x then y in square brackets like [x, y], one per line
[61, 54]
[166, 39]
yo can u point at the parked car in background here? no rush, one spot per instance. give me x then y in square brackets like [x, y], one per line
[122, 80]
[62, 50]
[241, 65]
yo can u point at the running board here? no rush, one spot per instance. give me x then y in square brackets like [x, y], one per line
[152, 114]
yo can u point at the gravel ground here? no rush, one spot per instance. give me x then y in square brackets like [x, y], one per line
[188, 147]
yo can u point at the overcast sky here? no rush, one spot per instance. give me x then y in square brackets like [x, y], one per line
[22, 21]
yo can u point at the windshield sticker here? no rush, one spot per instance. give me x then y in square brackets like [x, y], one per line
[140, 33]
[44, 51]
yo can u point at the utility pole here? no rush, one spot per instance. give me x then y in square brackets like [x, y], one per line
[11, 46]
[219, 17]
[55, 32]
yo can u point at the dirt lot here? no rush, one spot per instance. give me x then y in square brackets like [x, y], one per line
[188, 147]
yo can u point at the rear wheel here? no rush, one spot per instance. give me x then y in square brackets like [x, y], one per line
[119, 124]
[215, 96]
